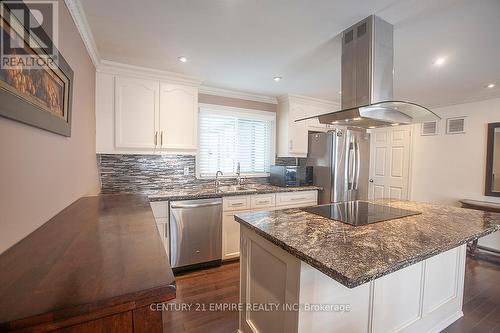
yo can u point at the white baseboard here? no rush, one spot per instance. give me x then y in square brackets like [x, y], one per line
[447, 322]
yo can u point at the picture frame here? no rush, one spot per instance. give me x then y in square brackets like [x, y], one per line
[37, 96]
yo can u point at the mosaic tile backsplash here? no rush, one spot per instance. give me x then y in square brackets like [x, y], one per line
[149, 173]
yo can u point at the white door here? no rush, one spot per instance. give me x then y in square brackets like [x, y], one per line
[390, 162]
[136, 109]
[298, 131]
[178, 116]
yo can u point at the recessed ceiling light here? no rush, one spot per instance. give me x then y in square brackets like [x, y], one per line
[491, 85]
[440, 61]
[371, 127]
[335, 122]
[357, 118]
[396, 124]
[277, 78]
[183, 59]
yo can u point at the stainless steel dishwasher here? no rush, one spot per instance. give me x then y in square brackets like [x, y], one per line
[195, 233]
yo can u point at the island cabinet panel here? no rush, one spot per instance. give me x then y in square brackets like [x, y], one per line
[268, 275]
[353, 304]
[397, 299]
[423, 297]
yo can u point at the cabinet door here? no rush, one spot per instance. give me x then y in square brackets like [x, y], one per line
[178, 116]
[298, 131]
[230, 237]
[136, 109]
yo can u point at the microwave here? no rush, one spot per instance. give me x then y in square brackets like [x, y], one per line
[291, 175]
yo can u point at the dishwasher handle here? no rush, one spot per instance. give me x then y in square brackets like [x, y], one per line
[174, 206]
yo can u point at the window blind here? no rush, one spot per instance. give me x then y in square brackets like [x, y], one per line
[227, 137]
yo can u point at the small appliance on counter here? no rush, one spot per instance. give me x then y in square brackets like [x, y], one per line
[291, 175]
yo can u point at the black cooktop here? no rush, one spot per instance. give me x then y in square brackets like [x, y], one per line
[359, 212]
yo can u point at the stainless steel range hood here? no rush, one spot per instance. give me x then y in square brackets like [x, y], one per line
[367, 81]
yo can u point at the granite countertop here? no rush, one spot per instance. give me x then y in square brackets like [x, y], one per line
[355, 255]
[209, 191]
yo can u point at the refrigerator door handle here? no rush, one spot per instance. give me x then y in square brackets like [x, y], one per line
[357, 154]
[351, 165]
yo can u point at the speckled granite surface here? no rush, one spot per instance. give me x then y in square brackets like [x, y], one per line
[209, 191]
[355, 255]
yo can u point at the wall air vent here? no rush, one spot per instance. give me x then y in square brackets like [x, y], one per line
[455, 125]
[429, 128]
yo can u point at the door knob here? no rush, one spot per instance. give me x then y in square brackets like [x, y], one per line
[371, 180]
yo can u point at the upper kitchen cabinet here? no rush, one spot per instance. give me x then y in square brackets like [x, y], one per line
[178, 117]
[292, 136]
[136, 113]
[141, 111]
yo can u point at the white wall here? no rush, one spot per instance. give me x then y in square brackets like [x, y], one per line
[446, 168]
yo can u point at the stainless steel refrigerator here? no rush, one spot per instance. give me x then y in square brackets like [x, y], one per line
[341, 164]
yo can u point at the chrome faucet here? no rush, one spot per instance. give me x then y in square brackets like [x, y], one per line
[238, 175]
[217, 181]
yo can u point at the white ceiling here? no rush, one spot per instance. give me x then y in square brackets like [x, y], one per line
[243, 44]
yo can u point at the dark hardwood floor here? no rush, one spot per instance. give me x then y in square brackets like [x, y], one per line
[209, 286]
[481, 299]
[221, 285]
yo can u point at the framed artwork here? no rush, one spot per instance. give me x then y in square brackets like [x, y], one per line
[35, 87]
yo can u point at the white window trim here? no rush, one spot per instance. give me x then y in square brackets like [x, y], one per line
[243, 113]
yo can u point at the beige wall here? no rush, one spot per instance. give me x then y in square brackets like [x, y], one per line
[40, 172]
[447, 168]
[236, 102]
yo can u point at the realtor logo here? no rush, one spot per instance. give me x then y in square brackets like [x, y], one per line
[29, 33]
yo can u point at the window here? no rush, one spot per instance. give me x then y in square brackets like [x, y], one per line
[230, 135]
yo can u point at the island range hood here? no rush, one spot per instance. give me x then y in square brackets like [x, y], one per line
[367, 81]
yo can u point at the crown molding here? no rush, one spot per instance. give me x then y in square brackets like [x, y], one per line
[293, 98]
[237, 94]
[76, 10]
[112, 67]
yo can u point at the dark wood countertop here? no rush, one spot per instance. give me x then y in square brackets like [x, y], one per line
[99, 253]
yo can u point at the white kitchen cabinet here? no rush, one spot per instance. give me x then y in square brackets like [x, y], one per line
[296, 199]
[233, 205]
[292, 139]
[230, 236]
[178, 117]
[160, 212]
[136, 112]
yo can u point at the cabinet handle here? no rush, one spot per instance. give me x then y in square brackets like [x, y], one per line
[161, 138]
[297, 199]
[156, 138]
[236, 204]
[263, 202]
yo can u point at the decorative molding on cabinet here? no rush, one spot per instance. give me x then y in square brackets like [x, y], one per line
[77, 13]
[237, 94]
[112, 67]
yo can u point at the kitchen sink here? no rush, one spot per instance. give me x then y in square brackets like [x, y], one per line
[234, 188]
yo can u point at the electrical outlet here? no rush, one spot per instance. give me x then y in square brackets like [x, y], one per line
[186, 171]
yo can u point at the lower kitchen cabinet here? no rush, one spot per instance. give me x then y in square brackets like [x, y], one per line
[271, 201]
[230, 236]
[233, 205]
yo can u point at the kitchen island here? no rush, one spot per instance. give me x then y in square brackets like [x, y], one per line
[405, 274]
